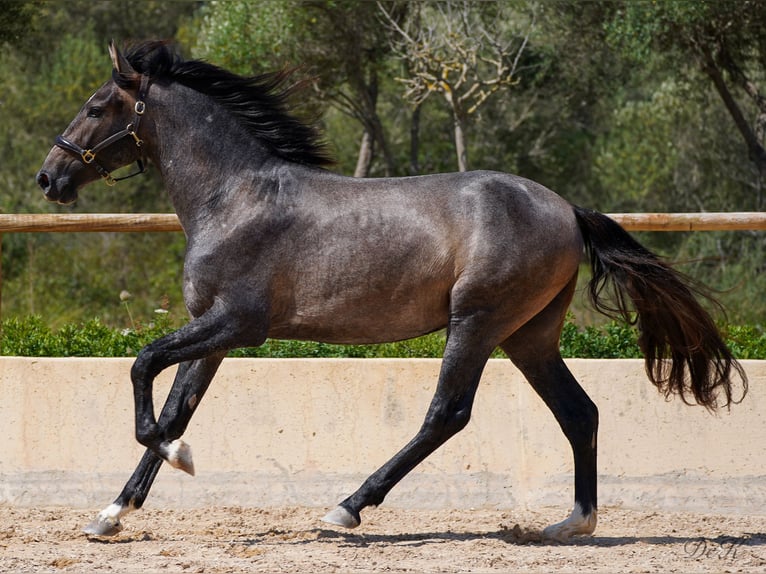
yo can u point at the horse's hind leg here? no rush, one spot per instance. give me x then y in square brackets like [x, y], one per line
[534, 349]
[465, 355]
[191, 382]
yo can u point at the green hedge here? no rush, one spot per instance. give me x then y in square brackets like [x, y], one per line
[31, 337]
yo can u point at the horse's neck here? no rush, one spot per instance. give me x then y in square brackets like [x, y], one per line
[201, 152]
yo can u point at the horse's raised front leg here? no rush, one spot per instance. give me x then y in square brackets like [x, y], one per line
[190, 383]
[216, 331]
[464, 358]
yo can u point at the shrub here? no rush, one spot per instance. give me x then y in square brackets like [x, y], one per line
[613, 341]
[747, 342]
[31, 337]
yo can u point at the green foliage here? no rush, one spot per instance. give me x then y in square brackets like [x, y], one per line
[639, 155]
[734, 265]
[614, 112]
[31, 337]
[611, 341]
[645, 30]
[246, 37]
[16, 18]
[747, 342]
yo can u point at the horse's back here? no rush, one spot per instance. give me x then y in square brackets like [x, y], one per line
[459, 202]
[498, 220]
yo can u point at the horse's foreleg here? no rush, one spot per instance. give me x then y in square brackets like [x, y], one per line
[449, 412]
[191, 382]
[209, 335]
[194, 379]
[107, 523]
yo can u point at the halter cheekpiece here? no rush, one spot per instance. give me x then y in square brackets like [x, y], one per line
[88, 156]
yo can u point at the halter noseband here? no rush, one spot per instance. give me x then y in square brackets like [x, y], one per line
[88, 156]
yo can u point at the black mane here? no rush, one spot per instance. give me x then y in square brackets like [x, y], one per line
[259, 102]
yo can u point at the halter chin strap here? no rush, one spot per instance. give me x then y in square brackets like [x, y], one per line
[88, 156]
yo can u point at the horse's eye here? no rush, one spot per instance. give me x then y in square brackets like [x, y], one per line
[95, 112]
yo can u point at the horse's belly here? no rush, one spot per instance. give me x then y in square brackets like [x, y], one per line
[364, 321]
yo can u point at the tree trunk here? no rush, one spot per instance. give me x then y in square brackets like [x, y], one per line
[460, 150]
[415, 141]
[380, 139]
[366, 151]
[366, 112]
[757, 153]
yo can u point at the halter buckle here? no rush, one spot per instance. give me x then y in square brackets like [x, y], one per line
[132, 132]
[140, 107]
[88, 156]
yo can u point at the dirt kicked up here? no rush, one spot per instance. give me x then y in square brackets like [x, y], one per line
[234, 539]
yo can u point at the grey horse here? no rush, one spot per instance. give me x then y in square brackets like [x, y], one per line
[279, 246]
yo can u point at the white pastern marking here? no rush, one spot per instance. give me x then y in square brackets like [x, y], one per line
[577, 524]
[179, 455]
[107, 523]
[114, 512]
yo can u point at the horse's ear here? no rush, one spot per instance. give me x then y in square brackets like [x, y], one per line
[118, 60]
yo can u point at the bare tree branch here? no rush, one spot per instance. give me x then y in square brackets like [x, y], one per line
[450, 51]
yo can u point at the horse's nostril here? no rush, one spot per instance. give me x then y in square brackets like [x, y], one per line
[43, 181]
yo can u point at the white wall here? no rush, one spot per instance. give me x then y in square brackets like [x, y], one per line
[298, 431]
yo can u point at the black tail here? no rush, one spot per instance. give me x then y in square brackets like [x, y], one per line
[683, 350]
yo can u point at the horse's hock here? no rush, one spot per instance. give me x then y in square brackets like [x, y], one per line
[307, 432]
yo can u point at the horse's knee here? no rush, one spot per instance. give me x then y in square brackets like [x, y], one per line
[148, 434]
[144, 366]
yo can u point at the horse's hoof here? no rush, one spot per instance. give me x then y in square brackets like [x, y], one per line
[179, 455]
[103, 526]
[577, 524]
[341, 517]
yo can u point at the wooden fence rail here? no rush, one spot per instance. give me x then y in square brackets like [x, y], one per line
[87, 222]
[144, 222]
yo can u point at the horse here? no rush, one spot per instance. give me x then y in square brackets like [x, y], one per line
[280, 246]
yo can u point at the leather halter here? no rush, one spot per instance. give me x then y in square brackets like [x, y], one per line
[88, 156]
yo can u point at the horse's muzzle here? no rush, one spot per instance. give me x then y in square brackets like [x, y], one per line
[56, 190]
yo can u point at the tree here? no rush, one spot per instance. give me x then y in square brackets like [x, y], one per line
[339, 40]
[16, 18]
[727, 40]
[462, 50]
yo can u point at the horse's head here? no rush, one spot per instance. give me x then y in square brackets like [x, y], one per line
[101, 138]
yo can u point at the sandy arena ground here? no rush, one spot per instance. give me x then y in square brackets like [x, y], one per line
[233, 540]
